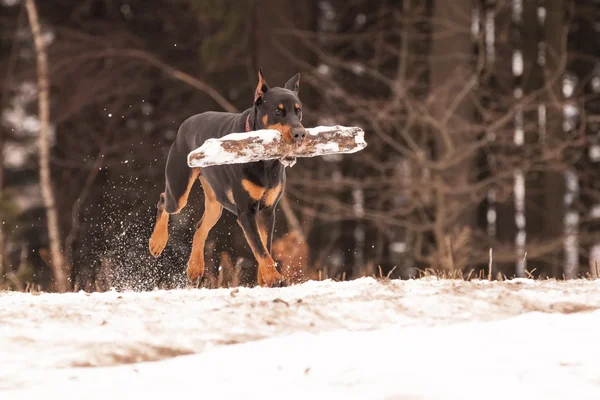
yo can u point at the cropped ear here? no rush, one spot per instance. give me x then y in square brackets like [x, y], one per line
[293, 83]
[261, 88]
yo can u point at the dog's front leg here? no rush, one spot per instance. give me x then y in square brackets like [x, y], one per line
[267, 271]
[266, 225]
[212, 213]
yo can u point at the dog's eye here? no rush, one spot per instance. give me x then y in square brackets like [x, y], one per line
[298, 111]
[276, 111]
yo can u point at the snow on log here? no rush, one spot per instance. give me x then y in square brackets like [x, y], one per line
[268, 144]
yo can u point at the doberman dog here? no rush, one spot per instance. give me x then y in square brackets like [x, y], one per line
[251, 191]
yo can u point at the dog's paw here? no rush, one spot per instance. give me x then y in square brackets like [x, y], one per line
[270, 277]
[198, 283]
[279, 284]
[195, 272]
[157, 244]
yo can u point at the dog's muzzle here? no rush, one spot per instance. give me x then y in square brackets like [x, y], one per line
[298, 134]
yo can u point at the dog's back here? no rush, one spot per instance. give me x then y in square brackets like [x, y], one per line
[195, 130]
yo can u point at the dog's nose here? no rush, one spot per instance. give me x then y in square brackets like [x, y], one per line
[298, 134]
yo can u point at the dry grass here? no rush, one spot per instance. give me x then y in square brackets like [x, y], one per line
[292, 253]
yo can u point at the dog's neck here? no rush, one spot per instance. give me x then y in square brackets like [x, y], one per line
[251, 119]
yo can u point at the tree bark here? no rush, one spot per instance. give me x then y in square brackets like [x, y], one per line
[58, 268]
[583, 41]
[451, 75]
[555, 34]
[501, 84]
[545, 189]
[2, 266]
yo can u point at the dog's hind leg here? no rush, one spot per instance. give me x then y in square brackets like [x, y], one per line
[180, 179]
[212, 213]
[160, 234]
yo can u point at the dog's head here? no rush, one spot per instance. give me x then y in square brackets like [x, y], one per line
[280, 108]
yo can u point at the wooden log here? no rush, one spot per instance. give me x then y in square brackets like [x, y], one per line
[268, 144]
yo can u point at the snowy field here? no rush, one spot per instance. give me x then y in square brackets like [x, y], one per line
[363, 339]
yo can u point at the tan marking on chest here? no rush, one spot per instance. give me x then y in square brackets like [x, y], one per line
[256, 192]
[229, 195]
[271, 195]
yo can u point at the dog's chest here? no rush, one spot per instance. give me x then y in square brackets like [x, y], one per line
[266, 174]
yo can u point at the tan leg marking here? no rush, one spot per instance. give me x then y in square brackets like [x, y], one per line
[160, 234]
[184, 199]
[262, 230]
[267, 272]
[212, 213]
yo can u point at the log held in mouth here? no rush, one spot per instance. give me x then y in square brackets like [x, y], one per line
[268, 144]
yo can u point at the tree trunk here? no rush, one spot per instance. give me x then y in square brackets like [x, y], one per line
[544, 193]
[2, 266]
[531, 33]
[554, 181]
[585, 41]
[451, 67]
[60, 275]
[502, 89]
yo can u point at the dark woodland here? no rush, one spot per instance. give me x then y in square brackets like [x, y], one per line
[482, 119]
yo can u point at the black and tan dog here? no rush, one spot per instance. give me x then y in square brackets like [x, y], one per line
[251, 191]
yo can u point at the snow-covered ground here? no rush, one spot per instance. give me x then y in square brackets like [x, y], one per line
[363, 339]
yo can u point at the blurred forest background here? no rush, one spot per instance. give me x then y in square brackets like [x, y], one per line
[482, 119]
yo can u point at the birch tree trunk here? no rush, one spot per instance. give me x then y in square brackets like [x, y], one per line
[57, 265]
